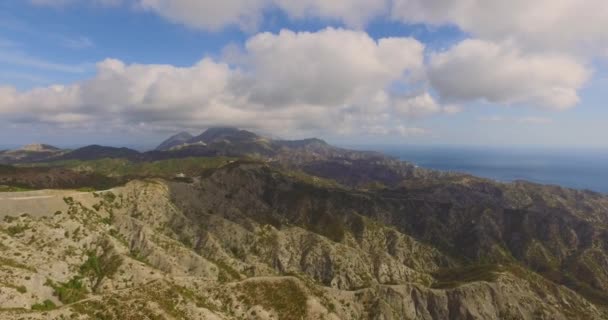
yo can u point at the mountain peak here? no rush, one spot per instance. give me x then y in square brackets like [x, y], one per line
[94, 151]
[222, 130]
[174, 141]
[38, 147]
[224, 133]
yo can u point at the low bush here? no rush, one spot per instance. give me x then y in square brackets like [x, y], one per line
[44, 306]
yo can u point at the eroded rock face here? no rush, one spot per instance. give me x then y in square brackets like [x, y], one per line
[551, 231]
[250, 242]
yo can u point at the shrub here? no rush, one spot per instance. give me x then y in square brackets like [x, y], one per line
[18, 229]
[102, 262]
[109, 196]
[454, 277]
[69, 292]
[285, 297]
[44, 306]
[14, 264]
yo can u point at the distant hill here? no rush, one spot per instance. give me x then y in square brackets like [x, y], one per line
[29, 153]
[55, 177]
[94, 152]
[210, 136]
[38, 147]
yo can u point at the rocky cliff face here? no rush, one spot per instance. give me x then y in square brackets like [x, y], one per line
[252, 241]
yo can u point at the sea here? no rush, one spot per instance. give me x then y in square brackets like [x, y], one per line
[583, 169]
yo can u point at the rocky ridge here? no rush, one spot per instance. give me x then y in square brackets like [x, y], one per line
[250, 241]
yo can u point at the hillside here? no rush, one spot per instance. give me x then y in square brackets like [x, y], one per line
[55, 177]
[308, 231]
[30, 153]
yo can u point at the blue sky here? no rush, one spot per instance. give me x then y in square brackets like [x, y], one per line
[300, 69]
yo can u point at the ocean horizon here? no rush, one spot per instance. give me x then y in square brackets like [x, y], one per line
[584, 169]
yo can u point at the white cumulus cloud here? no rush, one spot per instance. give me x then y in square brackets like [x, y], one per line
[501, 73]
[209, 15]
[415, 106]
[574, 26]
[563, 25]
[520, 52]
[58, 3]
[332, 80]
[214, 15]
[331, 67]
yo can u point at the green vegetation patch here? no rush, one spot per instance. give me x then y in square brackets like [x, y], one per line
[109, 196]
[101, 263]
[312, 180]
[44, 305]
[4, 169]
[592, 294]
[455, 277]
[14, 264]
[17, 229]
[285, 297]
[139, 256]
[573, 282]
[86, 189]
[156, 301]
[200, 301]
[69, 292]
[20, 289]
[327, 224]
[169, 300]
[5, 188]
[226, 273]
[124, 167]
[112, 307]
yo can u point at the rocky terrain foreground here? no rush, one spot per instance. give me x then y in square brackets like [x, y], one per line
[316, 234]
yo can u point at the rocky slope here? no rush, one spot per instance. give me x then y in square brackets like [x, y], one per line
[255, 240]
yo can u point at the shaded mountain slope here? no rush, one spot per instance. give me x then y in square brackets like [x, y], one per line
[94, 152]
[562, 235]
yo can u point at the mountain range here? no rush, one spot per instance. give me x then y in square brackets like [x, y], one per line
[233, 225]
[212, 142]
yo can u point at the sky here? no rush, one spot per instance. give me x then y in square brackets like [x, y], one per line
[421, 72]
